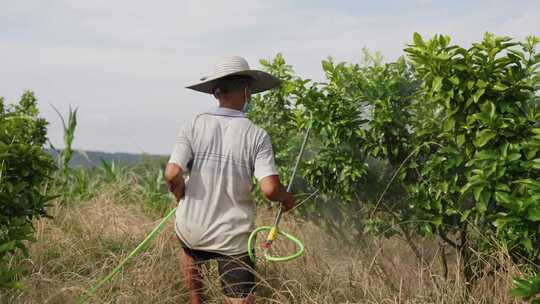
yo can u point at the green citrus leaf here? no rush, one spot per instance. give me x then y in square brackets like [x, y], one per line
[500, 87]
[436, 85]
[417, 38]
[534, 214]
[483, 137]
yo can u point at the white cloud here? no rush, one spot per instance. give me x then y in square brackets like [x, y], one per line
[125, 63]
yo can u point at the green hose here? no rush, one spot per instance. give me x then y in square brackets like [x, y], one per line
[274, 230]
[84, 297]
[253, 237]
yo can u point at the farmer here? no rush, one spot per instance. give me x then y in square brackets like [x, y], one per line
[223, 150]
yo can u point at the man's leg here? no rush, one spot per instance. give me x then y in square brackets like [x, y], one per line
[192, 276]
[237, 276]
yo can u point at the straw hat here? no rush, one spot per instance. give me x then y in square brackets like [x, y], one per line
[236, 66]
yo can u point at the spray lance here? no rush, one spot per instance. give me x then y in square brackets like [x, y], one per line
[273, 231]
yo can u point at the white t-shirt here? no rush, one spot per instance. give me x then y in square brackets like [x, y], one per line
[223, 150]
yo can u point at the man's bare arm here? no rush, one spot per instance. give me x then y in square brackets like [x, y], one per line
[273, 190]
[175, 180]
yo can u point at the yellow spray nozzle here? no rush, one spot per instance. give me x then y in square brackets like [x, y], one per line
[272, 235]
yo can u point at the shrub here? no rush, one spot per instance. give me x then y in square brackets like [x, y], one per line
[528, 289]
[482, 177]
[24, 168]
[349, 164]
[454, 132]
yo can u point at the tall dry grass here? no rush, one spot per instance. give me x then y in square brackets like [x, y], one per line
[86, 240]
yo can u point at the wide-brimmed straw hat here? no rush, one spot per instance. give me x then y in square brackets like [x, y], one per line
[236, 66]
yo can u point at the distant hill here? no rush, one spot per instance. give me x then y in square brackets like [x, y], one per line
[93, 158]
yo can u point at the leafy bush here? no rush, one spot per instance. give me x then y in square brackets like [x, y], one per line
[24, 168]
[342, 155]
[528, 288]
[483, 173]
[454, 134]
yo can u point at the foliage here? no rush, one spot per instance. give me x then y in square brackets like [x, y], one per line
[286, 124]
[153, 190]
[528, 288]
[112, 172]
[281, 124]
[484, 170]
[82, 184]
[378, 134]
[453, 133]
[69, 135]
[24, 168]
[341, 155]
[72, 183]
[143, 181]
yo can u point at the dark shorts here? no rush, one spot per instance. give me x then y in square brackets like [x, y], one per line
[236, 272]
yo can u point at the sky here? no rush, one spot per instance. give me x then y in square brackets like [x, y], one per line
[125, 63]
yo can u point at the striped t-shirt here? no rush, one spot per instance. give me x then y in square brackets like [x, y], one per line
[222, 149]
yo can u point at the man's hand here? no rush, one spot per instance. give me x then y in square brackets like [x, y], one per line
[273, 190]
[177, 190]
[288, 203]
[175, 180]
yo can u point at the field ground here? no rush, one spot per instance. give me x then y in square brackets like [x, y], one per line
[85, 240]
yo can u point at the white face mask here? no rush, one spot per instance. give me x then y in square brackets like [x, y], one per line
[247, 104]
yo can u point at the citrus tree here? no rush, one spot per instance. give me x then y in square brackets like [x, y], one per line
[24, 168]
[444, 142]
[479, 151]
[343, 160]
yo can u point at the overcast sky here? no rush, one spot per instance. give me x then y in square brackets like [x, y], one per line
[125, 64]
